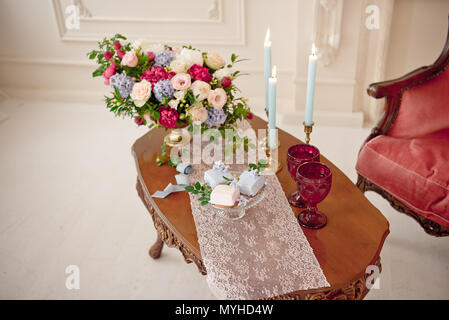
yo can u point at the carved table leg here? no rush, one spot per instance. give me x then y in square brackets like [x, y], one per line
[156, 248]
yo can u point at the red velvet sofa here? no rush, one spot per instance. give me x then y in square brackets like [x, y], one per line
[406, 156]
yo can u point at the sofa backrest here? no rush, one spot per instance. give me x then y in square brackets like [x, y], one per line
[424, 108]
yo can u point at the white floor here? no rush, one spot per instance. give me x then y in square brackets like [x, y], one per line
[67, 197]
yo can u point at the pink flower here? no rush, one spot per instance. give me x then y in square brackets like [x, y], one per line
[226, 82]
[154, 74]
[249, 115]
[151, 55]
[120, 53]
[130, 59]
[200, 73]
[106, 82]
[217, 98]
[198, 113]
[139, 121]
[110, 70]
[108, 55]
[214, 61]
[171, 74]
[117, 45]
[181, 81]
[168, 117]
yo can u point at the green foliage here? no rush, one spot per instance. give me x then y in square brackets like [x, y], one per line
[261, 164]
[204, 190]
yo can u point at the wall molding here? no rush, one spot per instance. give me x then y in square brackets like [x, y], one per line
[215, 13]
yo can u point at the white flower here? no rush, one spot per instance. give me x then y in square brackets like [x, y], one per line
[173, 103]
[177, 49]
[137, 44]
[141, 92]
[200, 90]
[178, 66]
[155, 48]
[214, 61]
[179, 95]
[222, 73]
[190, 57]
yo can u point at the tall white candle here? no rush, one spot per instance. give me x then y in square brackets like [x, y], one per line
[267, 64]
[272, 136]
[311, 87]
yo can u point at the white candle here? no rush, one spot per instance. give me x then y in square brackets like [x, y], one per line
[267, 64]
[272, 83]
[311, 86]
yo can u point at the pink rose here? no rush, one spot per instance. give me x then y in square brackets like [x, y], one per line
[217, 98]
[120, 53]
[168, 117]
[181, 81]
[226, 82]
[200, 73]
[151, 55]
[249, 115]
[108, 55]
[141, 92]
[117, 45]
[110, 70]
[130, 59]
[198, 113]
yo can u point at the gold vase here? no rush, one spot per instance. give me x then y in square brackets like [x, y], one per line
[179, 136]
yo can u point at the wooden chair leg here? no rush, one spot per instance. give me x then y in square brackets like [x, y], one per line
[361, 183]
[156, 248]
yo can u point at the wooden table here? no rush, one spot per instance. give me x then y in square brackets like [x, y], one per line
[351, 240]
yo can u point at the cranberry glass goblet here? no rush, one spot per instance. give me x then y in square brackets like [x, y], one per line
[314, 181]
[296, 156]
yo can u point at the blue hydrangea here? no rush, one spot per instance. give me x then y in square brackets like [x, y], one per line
[163, 89]
[215, 117]
[163, 58]
[123, 83]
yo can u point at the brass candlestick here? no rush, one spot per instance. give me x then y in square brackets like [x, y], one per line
[308, 131]
[272, 165]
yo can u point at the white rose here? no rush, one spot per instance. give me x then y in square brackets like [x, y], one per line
[214, 61]
[155, 48]
[141, 92]
[173, 103]
[222, 73]
[200, 90]
[179, 95]
[190, 57]
[178, 66]
[136, 44]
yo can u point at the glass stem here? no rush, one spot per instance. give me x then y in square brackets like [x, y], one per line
[312, 209]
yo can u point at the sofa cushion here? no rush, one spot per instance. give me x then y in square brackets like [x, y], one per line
[415, 171]
[424, 108]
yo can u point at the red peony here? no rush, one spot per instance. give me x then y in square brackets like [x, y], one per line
[151, 55]
[139, 121]
[120, 53]
[155, 74]
[226, 82]
[117, 45]
[200, 73]
[168, 117]
[109, 72]
[249, 115]
[108, 55]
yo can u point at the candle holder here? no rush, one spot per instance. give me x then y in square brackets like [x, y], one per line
[263, 143]
[272, 164]
[308, 131]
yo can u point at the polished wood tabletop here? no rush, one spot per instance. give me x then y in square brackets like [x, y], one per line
[351, 240]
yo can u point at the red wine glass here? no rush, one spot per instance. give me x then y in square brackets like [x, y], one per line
[314, 181]
[296, 156]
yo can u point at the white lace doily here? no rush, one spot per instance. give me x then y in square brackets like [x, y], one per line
[262, 255]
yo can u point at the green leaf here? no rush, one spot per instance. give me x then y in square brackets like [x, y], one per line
[203, 203]
[92, 55]
[189, 189]
[197, 186]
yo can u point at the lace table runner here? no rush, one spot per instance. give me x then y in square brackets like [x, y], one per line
[262, 255]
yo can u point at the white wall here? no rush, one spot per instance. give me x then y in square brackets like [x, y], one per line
[39, 58]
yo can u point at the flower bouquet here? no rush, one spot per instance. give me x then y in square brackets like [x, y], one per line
[170, 87]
